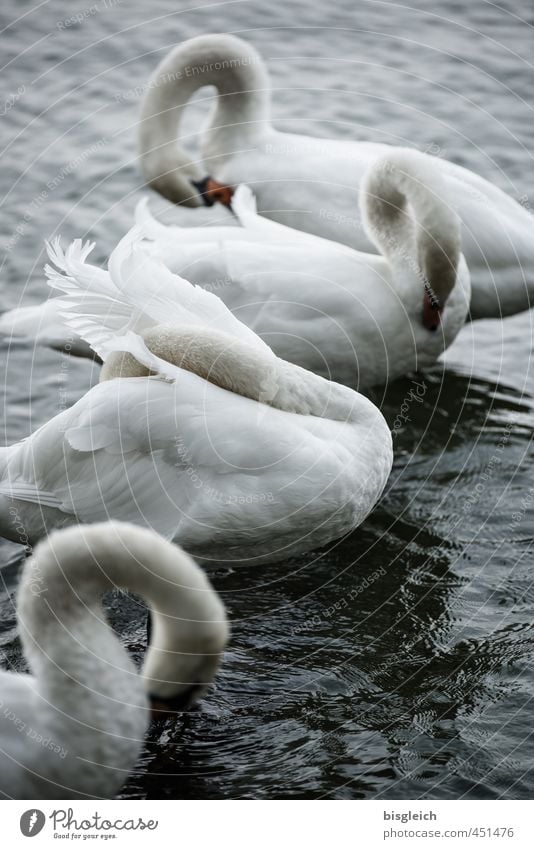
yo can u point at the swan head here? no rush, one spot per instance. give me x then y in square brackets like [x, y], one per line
[177, 678]
[432, 309]
[439, 264]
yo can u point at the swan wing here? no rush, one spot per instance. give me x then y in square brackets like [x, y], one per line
[91, 304]
[169, 298]
[142, 292]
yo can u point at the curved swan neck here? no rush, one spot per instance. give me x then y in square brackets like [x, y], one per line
[65, 635]
[424, 239]
[242, 369]
[241, 79]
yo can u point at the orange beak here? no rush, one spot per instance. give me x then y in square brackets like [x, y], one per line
[219, 192]
[214, 192]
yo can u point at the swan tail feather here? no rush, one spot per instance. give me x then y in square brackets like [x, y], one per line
[21, 490]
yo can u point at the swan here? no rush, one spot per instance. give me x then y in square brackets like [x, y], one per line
[360, 319]
[197, 429]
[311, 183]
[74, 727]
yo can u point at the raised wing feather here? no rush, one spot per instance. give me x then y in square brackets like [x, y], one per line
[141, 292]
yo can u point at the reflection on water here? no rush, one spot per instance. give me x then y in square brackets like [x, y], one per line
[397, 663]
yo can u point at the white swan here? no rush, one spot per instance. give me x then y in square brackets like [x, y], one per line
[311, 183]
[357, 318]
[236, 454]
[74, 728]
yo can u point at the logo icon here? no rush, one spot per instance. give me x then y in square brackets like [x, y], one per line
[32, 822]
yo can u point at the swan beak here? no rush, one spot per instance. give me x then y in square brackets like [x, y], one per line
[211, 191]
[432, 310]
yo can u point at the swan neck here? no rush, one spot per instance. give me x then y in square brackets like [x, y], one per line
[238, 367]
[65, 635]
[407, 215]
[242, 107]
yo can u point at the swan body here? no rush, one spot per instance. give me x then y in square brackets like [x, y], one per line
[209, 438]
[310, 183]
[75, 726]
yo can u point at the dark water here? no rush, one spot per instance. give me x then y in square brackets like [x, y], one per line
[399, 662]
